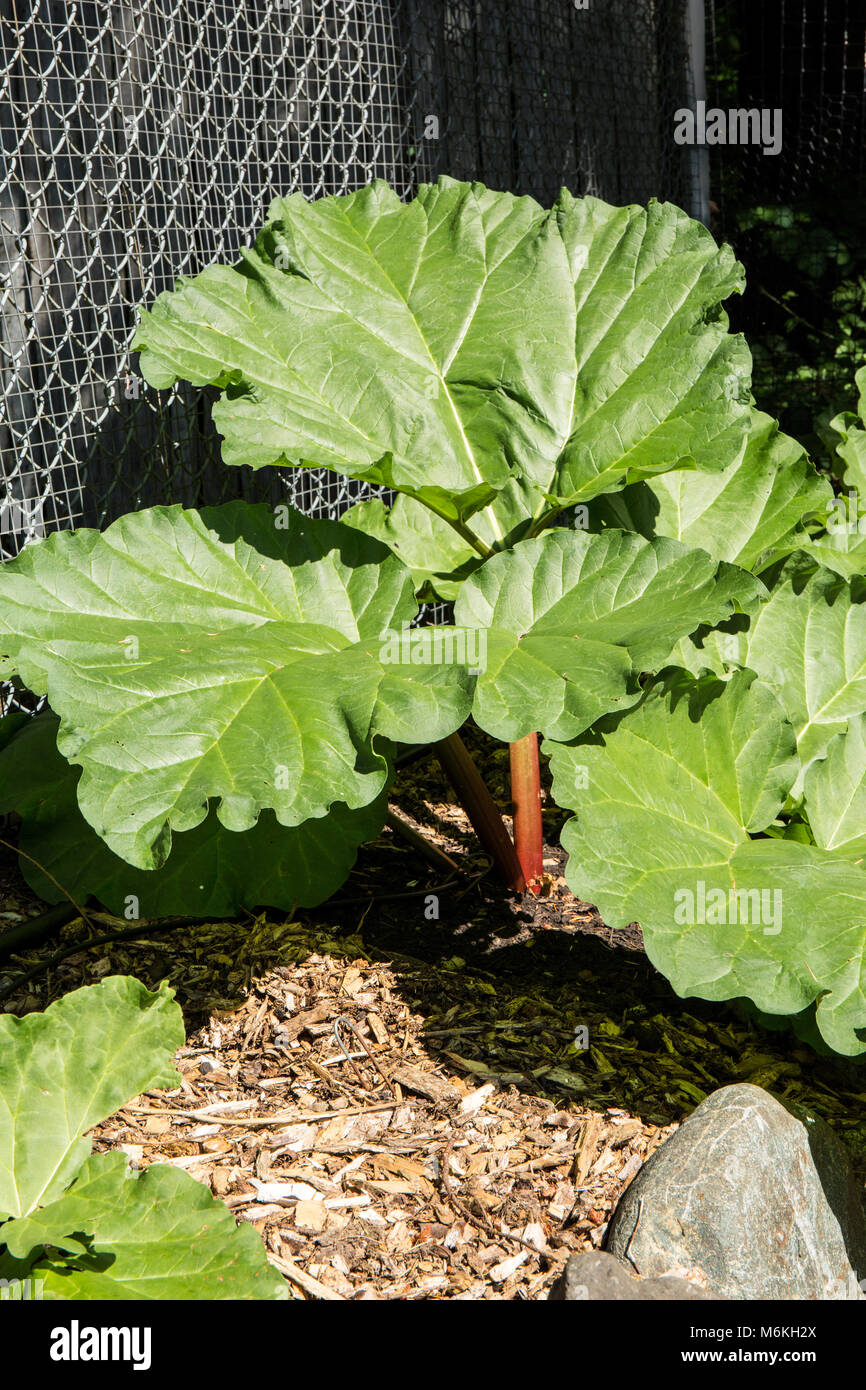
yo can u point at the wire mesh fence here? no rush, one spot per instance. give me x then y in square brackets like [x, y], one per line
[143, 141]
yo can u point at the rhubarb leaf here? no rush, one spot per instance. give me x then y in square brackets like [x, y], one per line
[811, 647]
[195, 656]
[572, 619]
[464, 344]
[835, 792]
[841, 550]
[428, 345]
[158, 1234]
[852, 444]
[667, 799]
[660, 383]
[65, 1070]
[210, 871]
[750, 513]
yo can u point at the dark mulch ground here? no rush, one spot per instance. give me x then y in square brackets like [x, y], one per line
[510, 1066]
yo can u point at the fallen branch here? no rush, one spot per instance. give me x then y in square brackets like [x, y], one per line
[37, 929]
[432, 853]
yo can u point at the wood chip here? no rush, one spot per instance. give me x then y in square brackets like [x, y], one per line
[585, 1152]
[378, 1029]
[283, 1191]
[633, 1166]
[293, 1026]
[305, 1281]
[476, 1100]
[504, 1270]
[424, 1083]
[628, 1129]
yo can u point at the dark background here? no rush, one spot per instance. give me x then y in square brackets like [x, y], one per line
[796, 220]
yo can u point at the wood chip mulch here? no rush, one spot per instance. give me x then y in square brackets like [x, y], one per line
[371, 1171]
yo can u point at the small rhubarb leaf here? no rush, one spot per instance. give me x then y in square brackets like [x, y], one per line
[153, 1235]
[852, 443]
[835, 792]
[811, 647]
[749, 513]
[65, 1070]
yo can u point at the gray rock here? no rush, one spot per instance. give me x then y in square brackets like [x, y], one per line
[759, 1197]
[596, 1275]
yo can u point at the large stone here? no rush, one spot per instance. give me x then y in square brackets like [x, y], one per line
[755, 1199]
[597, 1275]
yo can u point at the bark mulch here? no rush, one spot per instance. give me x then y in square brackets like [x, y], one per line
[372, 1168]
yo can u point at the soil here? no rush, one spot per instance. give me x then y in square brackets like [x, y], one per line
[426, 1088]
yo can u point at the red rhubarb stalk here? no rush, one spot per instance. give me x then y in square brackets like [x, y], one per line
[526, 799]
[481, 809]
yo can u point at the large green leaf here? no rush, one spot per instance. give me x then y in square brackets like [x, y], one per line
[194, 656]
[811, 646]
[464, 342]
[157, 1234]
[748, 514]
[835, 792]
[808, 641]
[660, 382]
[432, 549]
[571, 620]
[667, 800]
[210, 871]
[64, 1070]
[384, 340]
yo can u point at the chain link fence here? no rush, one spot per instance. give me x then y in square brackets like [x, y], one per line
[143, 141]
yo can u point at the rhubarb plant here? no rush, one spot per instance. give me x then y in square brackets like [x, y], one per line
[562, 421]
[491, 362]
[83, 1225]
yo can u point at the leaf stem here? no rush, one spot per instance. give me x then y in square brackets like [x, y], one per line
[465, 532]
[36, 929]
[481, 809]
[526, 799]
[432, 853]
[545, 519]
